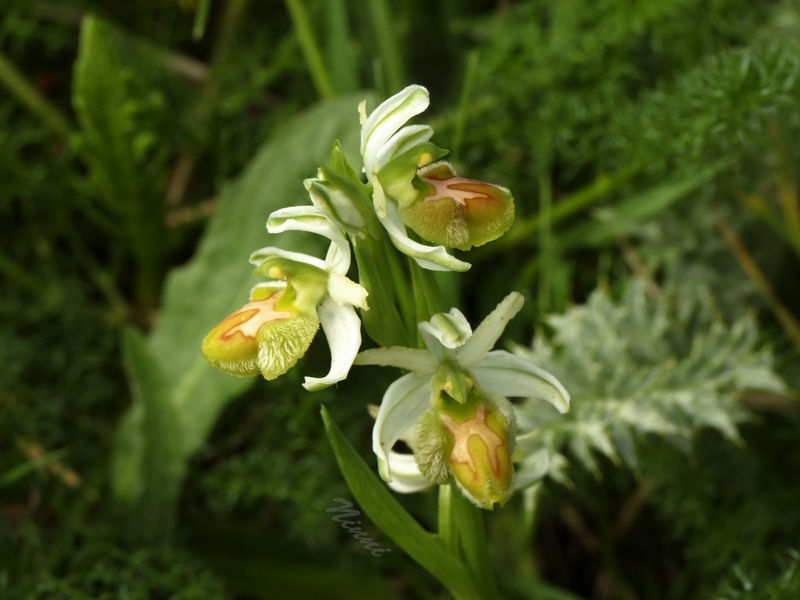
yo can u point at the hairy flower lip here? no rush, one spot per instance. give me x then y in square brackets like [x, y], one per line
[458, 212]
[232, 345]
[479, 448]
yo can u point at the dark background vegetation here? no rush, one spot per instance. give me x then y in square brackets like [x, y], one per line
[648, 143]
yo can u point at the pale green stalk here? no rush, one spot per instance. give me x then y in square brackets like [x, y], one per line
[463, 106]
[461, 530]
[308, 43]
[388, 46]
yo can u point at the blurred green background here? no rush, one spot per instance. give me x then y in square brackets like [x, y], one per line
[652, 148]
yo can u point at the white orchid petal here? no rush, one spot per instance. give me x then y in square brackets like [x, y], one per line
[342, 328]
[449, 330]
[406, 138]
[346, 291]
[434, 258]
[299, 218]
[262, 254]
[488, 332]
[386, 119]
[312, 220]
[403, 404]
[513, 376]
[410, 359]
[379, 199]
[406, 477]
[338, 258]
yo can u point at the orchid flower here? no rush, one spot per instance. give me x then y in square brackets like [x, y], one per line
[389, 149]
[436, 204]
[271, 332]
[455, 396]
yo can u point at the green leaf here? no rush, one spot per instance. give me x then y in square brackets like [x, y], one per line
[126, 101]
[217, 281]
[201, 19]
[390, 516]
[625, 217]
[151, 433]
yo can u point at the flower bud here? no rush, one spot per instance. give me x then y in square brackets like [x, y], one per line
[471, 442]
[264, 336]
[458, 212]
[341, 199]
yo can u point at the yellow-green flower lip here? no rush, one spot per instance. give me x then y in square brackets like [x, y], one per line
[232, 346]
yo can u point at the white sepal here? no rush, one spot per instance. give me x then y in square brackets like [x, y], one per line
[312, 220]
[434, 258]
[406, 477]
[410, 359]
[403, 140]
[512, 376]
[385, 120]
[490, 330]
[346, 291]
[342, 329]
[338, 258]
[259, 256]
[403, 404]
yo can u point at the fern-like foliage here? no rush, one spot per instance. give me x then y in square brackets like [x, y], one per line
[558, 72]
[737, 104]
[640, 366]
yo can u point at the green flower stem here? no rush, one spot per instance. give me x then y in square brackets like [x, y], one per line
[313, 56]
[462, 532]
[383, 321]
[405, 299]
[448, 533]
[427, 295]
[31, 99]
[390, 517]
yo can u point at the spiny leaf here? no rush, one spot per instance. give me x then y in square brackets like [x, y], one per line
[643, 366]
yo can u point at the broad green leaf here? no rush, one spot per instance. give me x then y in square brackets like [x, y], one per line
[151, 433]
[390, 516]
[218, 279]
